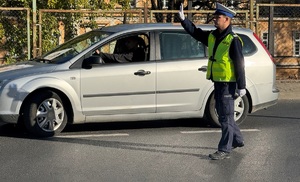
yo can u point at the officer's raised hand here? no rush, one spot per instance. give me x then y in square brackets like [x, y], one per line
[181, 14]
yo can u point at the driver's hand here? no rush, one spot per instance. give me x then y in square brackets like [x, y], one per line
[97, 51]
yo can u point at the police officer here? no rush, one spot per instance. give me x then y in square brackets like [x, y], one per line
[226, 70]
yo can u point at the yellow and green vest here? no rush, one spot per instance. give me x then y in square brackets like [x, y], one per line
[220, 68]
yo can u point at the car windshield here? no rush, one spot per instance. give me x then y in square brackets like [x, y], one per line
[69, 49]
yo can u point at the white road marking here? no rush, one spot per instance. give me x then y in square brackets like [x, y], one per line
[126, 134]
[216, 131]
[93, 135]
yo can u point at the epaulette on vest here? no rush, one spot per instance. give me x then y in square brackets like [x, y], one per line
[236, 36]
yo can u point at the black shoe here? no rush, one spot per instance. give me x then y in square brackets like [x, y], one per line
[218, 155]
[238, 145]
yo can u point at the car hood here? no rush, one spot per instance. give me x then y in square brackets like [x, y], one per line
[13, 71]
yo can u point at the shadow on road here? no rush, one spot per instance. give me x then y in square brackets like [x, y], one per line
[12, 130]
[137, 125]
[148, 147]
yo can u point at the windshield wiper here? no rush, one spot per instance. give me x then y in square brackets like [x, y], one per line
[40, 60]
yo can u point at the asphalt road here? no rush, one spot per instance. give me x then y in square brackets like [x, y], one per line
[173, 150]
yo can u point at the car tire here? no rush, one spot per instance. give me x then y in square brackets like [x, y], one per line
[44, 114]
[241, 109]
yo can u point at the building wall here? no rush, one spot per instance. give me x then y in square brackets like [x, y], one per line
[287, 63]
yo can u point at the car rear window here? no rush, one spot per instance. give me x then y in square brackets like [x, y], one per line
[180, 45]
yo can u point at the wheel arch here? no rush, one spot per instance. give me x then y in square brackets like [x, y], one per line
[208, 117]
[211, 92]
[66, 101]
[70, 94]
[250, 101]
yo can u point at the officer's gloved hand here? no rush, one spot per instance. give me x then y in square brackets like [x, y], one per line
[241, 92]
[181, 14]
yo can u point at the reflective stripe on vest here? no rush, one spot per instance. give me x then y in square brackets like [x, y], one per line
[220, 68]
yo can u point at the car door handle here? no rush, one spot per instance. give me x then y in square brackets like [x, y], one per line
[203, 68]
[142, 73]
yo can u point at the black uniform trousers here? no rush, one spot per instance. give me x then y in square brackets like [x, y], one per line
[224, 97]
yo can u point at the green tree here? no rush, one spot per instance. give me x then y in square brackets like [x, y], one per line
[172, 5]
[15, 31]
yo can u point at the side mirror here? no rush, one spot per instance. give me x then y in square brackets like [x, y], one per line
[92, 61]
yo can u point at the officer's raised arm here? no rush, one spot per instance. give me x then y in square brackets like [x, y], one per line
[191, 28]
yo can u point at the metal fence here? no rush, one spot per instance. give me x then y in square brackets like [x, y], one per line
[14, 34]
[58, 26]
[198, 16]
[22, 39]
[278, 25]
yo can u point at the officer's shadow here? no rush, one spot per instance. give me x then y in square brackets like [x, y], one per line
[14, 131]
[156, 148]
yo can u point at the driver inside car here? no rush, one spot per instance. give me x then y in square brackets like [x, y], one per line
[134, 52]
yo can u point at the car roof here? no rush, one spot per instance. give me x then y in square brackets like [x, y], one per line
[160, 26]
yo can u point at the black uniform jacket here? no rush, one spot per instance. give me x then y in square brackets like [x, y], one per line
[235, 51]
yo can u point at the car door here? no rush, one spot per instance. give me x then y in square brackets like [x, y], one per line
[181, 72]
[119, 88]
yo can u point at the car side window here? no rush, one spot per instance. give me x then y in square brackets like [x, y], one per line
[132, 48]
[109, 48]
[180, 45]
[248, 46]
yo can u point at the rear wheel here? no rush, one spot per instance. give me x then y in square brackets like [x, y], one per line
[44, 114]
[241, 108]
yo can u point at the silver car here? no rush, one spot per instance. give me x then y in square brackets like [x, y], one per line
[71, 84]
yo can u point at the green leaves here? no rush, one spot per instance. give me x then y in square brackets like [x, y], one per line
[13, 24]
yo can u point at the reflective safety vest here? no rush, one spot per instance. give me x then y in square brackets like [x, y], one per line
[220, 67]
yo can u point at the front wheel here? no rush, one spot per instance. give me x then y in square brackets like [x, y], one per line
[241, 108]
[44, 114]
